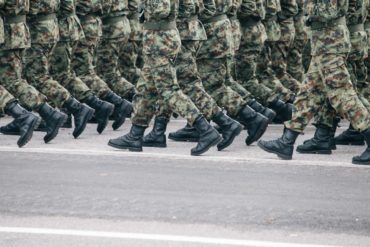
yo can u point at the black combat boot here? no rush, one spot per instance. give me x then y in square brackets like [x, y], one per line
[255, 122]
[103, 110]
[283, 110]
[333, 129]
[122, 109]
[133, 141]
[157, 137]
[350, 137]
[320, 143]
[229, 129]
[208, 136]
[68, 122]
[267, 112]
[53, 119]
[364, 158]
[282, 146]
[186, 134]
[81, 113]
[24, 121]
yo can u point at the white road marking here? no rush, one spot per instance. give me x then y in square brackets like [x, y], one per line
[172, 156]
[153, 237]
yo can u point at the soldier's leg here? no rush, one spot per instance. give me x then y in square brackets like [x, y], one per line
[37, 65]
[128, 59]
[108, 52]
[11, 79]
[26, 121]
[61, 70]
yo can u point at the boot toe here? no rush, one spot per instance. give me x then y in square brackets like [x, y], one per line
[272, 147]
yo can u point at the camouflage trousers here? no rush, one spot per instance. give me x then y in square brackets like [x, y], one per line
[131, 60]
[295, 53]
[231, 80]
[328, 79]
[190, 82]
[37, 73]
[251, 44]
[11, 78]
[107, 55]
[279, 55]
[158, 81]
[358, 75]
[5, 98]
[266, 76]
[83, 62]
[213, 66]
[61, 70]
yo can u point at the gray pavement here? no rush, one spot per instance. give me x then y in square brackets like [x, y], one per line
[242, 193]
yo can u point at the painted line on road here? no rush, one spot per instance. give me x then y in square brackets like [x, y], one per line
[172, 156]
[153, 237]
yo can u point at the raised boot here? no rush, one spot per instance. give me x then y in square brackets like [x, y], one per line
[350, 137]
[103, 110]
[53, 119]
[283, 110]
[81, 113]
[157, 137]
[122, 109]
[283, 146]
[186, 134]
[208, 136]
[319, 144]
[68, 123]
[229, 129]
[267, 112]
[133, 141]
[364, 158]
[25, 121]
[255, 123]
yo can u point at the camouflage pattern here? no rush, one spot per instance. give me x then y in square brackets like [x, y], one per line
[328, 77]
[84, 53]
[5, 98]
[11, 56]
[295, 54]
[280, 49]
[116, 32]
[158, 78]
[70, 31]
[44, 36]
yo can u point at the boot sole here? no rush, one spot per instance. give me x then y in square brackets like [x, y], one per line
[76, 134]
[183, 139]
[23, 141]
[131, 149]
[354, 143]
[258, 134]
[53, 134]
[104, 123]
[214, 143]
[155, 145]
[314, 152]
[282, 156]
[236, 132]
[361, 163]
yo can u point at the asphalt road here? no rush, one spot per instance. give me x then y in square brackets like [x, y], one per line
[84, 193]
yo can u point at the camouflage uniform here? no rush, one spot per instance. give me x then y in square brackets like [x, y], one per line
[364, 89]
[17, 38]
[83, 58]
[5, 96]
[70, 32]
[328, 76]
[263, 63]
[116, 32]
[161, 44]
[44, 30]
[5, 99]
[279, 51]
[295, 61]
[214, 55]
[131, 57]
